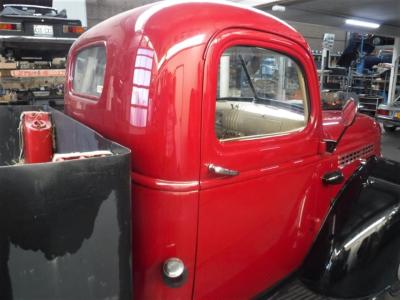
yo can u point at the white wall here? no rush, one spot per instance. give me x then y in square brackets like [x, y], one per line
[76, 9]
[314, 35]
[99, 10]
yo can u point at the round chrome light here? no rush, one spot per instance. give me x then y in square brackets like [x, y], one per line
[173, 268]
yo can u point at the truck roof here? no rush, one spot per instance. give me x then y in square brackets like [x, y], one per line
[152, 93]
[168, 23]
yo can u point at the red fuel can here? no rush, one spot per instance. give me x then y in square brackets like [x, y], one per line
[37, 136]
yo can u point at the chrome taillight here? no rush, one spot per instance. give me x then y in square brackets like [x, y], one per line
[73, 29]
[10, 26]
[382, 112]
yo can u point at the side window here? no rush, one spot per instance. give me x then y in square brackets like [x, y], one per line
[259, 92]
[89, 70]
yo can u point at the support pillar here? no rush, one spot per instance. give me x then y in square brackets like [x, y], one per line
[394, 71]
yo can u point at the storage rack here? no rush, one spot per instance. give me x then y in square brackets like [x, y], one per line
[371, 89]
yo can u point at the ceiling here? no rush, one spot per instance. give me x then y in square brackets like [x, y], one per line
[335, 12]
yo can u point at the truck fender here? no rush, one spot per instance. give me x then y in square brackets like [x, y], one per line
[357, 252]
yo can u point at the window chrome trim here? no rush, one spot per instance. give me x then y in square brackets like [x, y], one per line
[307, 101]
[260, 136]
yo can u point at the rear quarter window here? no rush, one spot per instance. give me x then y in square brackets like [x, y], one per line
[89, 67]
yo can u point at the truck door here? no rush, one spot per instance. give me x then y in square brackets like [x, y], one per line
[260, 138]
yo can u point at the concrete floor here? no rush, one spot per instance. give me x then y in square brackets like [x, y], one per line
[297, 291]
[391, 145]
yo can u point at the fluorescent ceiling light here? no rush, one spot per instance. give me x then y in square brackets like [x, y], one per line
[278, 8]
[362, 23]
[255, 2]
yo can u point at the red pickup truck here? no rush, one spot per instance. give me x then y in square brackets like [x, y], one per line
[239, 179]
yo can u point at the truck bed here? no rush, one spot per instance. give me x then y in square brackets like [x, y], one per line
[65, 225]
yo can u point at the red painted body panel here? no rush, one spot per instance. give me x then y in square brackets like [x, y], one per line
[278, 218]
[237, 236]
[169, 220]
[37, 133]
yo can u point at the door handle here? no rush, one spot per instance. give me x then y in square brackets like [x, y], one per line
[335, 177]
[222, 171]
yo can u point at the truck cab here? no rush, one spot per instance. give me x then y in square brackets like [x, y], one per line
[236, 171]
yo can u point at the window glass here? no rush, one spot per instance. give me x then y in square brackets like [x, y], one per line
[89, 69]
[259, 92]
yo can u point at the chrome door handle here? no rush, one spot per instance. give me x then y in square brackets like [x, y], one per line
[335, 177]
[222, 171]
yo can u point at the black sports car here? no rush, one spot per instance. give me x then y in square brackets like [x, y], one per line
[36, 32]
[389, 115]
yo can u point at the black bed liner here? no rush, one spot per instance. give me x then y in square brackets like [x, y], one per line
[64, 226]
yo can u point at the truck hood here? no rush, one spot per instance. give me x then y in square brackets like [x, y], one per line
[364, 127]
[332, 124]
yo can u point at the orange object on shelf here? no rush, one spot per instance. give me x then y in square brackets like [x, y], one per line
[38, 73]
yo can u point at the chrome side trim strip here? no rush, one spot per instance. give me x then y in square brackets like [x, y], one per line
[165, 185]
[36, 38]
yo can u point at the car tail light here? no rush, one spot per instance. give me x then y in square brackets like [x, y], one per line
[383, 112]
[10, 26]
[73, 29]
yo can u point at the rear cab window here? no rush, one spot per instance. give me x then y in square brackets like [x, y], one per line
[260, 92]
[89, 69]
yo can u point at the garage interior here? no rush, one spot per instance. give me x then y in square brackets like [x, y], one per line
[314, 18]
[355, 45]
[372, 85]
